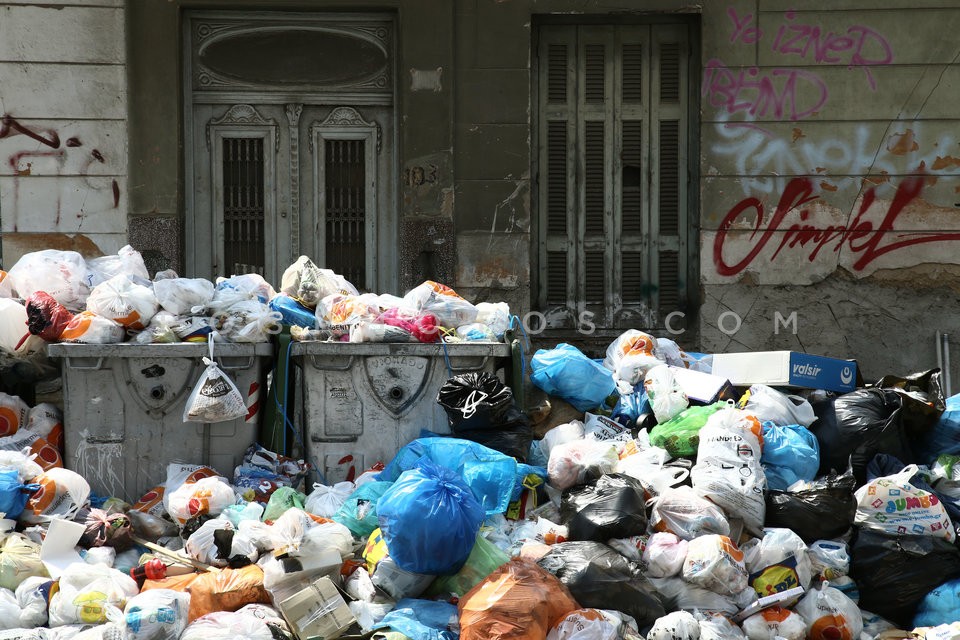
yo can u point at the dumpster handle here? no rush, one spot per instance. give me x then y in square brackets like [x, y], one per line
[80, 368]
[314, 358]
[247, 365]
[470, 368]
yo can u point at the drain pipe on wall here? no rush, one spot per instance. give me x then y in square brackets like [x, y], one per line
[943, 362]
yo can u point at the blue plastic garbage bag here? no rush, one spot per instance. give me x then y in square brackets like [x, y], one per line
[568, 374]
[940, 606]
[523, 471]
[944, 438]
[292, 312]
[884, 464]
[359, 512]
[790, 453]
[490, 474]
[631, 406]
[422, 620]
[13, 493]
[429, 519]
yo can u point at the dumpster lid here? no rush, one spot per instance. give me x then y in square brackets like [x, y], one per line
[169, 350]
[453, 349]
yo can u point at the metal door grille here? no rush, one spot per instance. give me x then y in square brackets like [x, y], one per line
[346, 209]
[243, 214]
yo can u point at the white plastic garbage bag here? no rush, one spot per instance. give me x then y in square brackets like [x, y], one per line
[128, 261]
[728, 470]
[124, 301]
[677, 625]
[775, 623]
[309, 284]
[227, 625]
[62, 493]
[180, 295]
[592, 624]
[248, 321]
[716, 563]
[495, 315]
[571, 462]
[769, 404]
[206, 545]
[664, 555]
[249, 286]
[631, 355]
[666, 396]
[325, 501]
[215, 398]
[87, 591]
[9, 610]
[62, 274]
[157, 614]
[777, 562]
[567, 432]
[90, 328]
[33, 599]
[682, 512]
[830, 614]
[829, 560]
[718, 627]
[442, 302]
[890, 504]
[205, 496]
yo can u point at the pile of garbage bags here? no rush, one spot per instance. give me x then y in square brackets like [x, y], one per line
[58, 296]
[662, 503]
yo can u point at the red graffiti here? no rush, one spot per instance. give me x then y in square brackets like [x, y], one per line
[860, 237]
[9, 126]
[777, 93]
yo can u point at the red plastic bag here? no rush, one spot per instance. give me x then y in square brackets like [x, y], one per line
[46, 317]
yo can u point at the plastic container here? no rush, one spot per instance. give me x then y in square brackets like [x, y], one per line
[361, 402]
[123, 411]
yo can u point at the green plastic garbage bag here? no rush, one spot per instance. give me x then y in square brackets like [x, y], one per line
[282, 499]
[681, 435]
[359, 512]
[484, 559]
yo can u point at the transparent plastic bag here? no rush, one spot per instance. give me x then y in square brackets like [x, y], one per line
[248, 286]
[666, 396]
[677, 625]
[437, 299]
[87, 592]
[577, 461]
[62, 274]
[325, 501]
[127, 261]
[664, 555]
[308, 283]
[684, 513]
[248, 321]
[33, 596]
[180, 295]
[215, 398]
[631, 355]
[829, 615]
[124, 301]
[205, 496]
[89, 328]
[592, 624]
[715, 562]
[769, 404]
[157, 614]
[62, 494]
[218, 543]
[496, 315]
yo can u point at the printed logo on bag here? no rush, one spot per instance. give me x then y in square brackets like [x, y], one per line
[924, 501]
[90, 606]
[215, 387]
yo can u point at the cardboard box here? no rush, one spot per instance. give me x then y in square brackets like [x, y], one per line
[786, 369]
[703, 388]
[318, 612]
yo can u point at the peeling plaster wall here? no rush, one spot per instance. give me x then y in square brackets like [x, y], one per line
[63, 137]
[830, 179]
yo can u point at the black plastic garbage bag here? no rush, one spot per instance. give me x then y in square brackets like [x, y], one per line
[894, 573]
[922, 398]
[474, 400]
[856, 426]
[825, 510]
[887, 465]
[480, 408]
[611, 507]
[599, 577]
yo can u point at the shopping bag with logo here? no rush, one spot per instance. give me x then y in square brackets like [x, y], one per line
[215, 398]
[891, 504]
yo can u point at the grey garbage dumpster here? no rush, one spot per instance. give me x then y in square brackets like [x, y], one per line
[361, 402]
[123, 411]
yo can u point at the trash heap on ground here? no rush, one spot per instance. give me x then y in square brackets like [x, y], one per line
[658, 495]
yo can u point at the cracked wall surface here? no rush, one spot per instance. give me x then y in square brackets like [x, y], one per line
[830, 180]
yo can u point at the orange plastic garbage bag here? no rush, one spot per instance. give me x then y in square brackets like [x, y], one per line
[518, 601]
[225, 590]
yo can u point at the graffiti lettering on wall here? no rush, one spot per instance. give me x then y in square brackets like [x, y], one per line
[50, 146]
[757, 153]
[785, 93]
[864, 239]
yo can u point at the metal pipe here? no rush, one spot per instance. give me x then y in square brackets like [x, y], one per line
[946, 365]
[940, 352]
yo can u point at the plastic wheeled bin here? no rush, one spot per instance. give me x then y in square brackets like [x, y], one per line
[123, 411]
[362, 402]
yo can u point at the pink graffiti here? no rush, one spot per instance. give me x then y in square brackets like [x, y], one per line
[860, 237]
[765, 93]
[858, 47]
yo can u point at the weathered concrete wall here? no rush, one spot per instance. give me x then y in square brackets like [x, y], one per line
[63, 137]
[829, 179]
